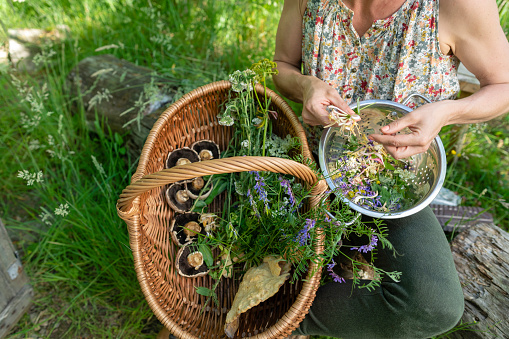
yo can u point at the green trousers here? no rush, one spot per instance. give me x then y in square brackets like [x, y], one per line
[427, 301]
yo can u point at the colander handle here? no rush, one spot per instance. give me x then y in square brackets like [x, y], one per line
[423, 97]
[215, 166]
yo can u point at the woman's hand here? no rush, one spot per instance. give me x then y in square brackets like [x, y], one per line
[424, 123]
[316, 96]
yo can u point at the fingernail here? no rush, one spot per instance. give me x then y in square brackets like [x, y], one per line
[385, 129]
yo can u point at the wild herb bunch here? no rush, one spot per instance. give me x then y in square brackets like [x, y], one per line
[264, 213]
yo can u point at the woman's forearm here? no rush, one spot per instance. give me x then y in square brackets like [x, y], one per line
[289, 81]
[488, 103]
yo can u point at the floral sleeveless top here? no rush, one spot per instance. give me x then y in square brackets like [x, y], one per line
[397, 56]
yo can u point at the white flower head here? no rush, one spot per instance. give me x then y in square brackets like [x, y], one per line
[62, 210]
[226, 120]
[34, 144]
[242, 81]
[46, 216]
[256, 121]
[99, 97]
[31, 178]
[245, 143]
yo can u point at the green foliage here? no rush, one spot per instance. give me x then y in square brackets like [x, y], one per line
[82, 254]
[478, 166]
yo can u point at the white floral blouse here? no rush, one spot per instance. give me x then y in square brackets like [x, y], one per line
[397, 56]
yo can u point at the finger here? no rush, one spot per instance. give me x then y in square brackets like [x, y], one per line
[398, 125]
[322, 116]
[403, 152]
[337, 101]
[399, 140]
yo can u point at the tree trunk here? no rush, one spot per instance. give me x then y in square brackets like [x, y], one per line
[15, 291]
[481, 255]
[130, 97]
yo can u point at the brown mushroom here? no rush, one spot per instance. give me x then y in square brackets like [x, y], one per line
[185, 228]
[177, 197]
[181, 156]
[195, 188]
[190, 263]
[206, 149]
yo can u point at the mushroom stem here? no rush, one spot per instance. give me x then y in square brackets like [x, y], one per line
[183, 161]
[205, 154]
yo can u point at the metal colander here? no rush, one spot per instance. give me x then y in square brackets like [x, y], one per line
[429, 167]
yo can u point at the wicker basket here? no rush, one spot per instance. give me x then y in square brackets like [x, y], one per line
[142, 205]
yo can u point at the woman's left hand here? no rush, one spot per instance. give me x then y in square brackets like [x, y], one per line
[424, 123]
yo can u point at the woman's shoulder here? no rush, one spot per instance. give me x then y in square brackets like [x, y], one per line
[464, 10]
[460, 17]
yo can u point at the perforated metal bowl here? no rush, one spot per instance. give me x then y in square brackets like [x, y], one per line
[428, 167]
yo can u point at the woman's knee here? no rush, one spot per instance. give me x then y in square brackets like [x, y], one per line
[434, 310]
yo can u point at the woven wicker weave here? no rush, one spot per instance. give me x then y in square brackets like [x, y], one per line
[142, 205]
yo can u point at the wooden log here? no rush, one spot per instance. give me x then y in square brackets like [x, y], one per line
[129, 97]
[15, 292]
[481, 255]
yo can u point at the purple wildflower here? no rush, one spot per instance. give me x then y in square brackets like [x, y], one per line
[251, 201]
[369, 247]
[303, 234]
[286, 184]
[334, 276]
[261, 191]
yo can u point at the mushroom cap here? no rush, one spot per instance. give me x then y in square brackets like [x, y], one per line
[175, 157]
[180, 226]
[178, 198]
[185, 268]
[194, 189]
[198, 183]
[206, 149]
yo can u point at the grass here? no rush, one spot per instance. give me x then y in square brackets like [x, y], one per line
[75, 248]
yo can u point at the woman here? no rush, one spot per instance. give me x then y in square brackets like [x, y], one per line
[387, 50]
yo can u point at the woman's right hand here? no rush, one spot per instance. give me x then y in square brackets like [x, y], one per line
[316, 96]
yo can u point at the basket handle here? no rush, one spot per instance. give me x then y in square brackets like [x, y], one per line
[215, 166]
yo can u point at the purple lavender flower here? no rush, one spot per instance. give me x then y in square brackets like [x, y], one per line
[369, 247]
[251, 201]
[334, 276]
[303, 234]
